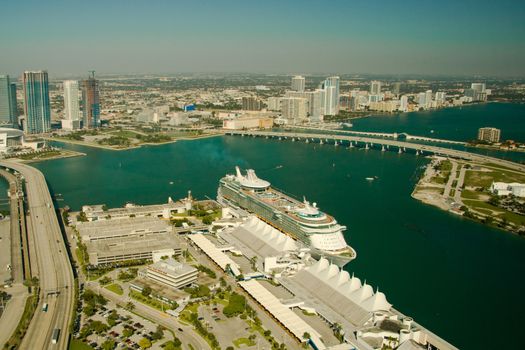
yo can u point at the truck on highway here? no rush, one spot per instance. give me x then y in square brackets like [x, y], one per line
[56, 334]
[44, 307]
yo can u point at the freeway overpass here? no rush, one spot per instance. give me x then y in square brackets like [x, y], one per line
[54, 269]
[401, 146]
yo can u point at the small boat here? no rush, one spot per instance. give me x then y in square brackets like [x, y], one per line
[171, 182]
[369, 178]
[278, 167]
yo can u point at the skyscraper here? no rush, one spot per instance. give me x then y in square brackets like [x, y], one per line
[331, 95]
[375, 87]
[14, 105]
[251, 103]
[36, 102]
[91, 102]
[71, 105]
[298, 83]
[8, 111]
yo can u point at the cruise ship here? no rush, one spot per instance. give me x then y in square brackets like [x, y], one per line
[300, 220]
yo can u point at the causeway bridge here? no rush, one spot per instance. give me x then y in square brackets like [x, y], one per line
[370, 142]
[394, 135]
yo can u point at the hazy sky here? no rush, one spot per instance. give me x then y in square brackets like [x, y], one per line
[347, 36]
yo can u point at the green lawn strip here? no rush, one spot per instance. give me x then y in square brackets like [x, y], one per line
[154, 303]
[470, 194]
[78, 345]
[115, 288]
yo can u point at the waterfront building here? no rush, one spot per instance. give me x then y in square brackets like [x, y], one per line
[375, 87]
[505, 189]
[100, 212]
[294, 109]
[170, 273]
[477, 92]
[428, 98]
[403, 103]
[8, 109]
[36, 102]
[274, 103]
[440, 97]
[421, 100]
[247, 122]
[315, 102]
[331, 95]
[298, 83]
[71, 119]
[251, 103]
[91, 102]
[489, 134]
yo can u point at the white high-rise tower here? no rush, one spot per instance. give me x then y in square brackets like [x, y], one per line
[71, 105]
[331, 95]
[298, 83]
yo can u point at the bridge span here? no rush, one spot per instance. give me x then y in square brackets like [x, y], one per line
[393, 135]
[385, 144]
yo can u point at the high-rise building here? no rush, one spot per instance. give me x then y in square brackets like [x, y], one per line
[71, 119]
[91, 102]
[477, 92]
[298, 83]
[331, 95]
[14, 105]
[294, 109]
[396, 88]
[428, 98]
[489, 134]
[8, 110]
[251, 103]
[421, 100]
[440, 97]
[36, 102]
[274, 103]
[375, 87]
[315, 105]
[403, 103]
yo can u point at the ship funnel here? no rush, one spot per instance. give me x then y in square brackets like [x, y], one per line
[238, 171]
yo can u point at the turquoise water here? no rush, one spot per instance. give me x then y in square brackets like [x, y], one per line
[460, 123]
[459, 278]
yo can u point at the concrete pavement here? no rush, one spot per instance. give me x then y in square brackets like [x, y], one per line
[54, 269]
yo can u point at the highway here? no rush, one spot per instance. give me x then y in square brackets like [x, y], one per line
[54, 269]
[401, 145]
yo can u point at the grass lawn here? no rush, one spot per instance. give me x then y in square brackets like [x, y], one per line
[154, 303]
[243, 341]
[124, 133]
[78, 345]
[470, 194]
[485, 207]
[115, 288]
[485, 179]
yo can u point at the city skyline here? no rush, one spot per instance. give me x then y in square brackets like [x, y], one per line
[467, 38]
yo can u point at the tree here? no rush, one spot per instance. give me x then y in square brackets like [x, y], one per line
[130, 306]
[127, 332]
[172, 344]
[146, 291]
[89, 310]
[108, 345]
[267, 333]
[158, 334]
[144, 343]
[306, 335]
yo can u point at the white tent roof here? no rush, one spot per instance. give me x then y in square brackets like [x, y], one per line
[285, 316]
[215, 254]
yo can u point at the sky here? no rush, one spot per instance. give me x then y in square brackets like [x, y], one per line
[445, 37]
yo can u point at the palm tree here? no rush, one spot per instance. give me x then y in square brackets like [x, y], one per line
[130, 306]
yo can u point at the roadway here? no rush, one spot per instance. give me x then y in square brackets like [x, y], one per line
[54, 271]
[394, 143]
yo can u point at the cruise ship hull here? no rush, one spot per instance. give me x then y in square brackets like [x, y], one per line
[233, 197]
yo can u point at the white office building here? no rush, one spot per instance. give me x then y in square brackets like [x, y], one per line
[71, 119]
[170, 273]
[274, 103]
[298, 83]
[428, 98]
[331, 95]
[440, 97]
